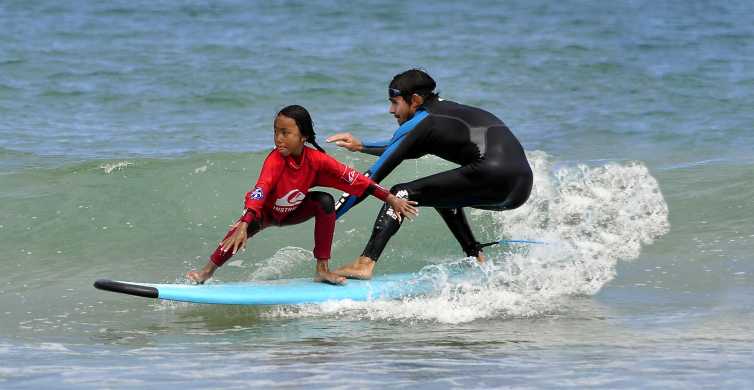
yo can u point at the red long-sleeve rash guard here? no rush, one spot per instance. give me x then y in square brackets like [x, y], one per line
[284, 183]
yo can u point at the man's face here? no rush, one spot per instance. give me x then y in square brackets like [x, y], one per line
[402, 110]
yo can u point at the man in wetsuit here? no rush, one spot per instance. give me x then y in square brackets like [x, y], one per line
[494, 173]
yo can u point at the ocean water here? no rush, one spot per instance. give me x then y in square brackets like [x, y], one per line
[129, 132]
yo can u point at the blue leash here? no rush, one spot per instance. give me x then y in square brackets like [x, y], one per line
[504, 242]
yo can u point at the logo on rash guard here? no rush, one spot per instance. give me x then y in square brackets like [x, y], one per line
[289, 201]
[349, 175]
[257, 194]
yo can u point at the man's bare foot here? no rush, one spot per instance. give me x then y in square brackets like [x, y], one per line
[329, 277]
[481, 258]
[360, 269]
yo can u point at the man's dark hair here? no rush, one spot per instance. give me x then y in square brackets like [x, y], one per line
[303, 121]
[413, 81]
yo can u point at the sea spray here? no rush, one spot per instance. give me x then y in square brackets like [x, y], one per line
[108, 168]
[593, 216]
[282, 263]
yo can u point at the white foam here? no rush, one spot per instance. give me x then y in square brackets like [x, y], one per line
[115, 166]
[596, 216]
[53, 347]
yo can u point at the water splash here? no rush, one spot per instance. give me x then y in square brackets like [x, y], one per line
[115, 166]
[282, 263]
[597, 216]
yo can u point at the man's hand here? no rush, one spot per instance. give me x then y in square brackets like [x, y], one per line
[346, 140]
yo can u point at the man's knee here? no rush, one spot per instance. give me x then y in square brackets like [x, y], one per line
[400, 190]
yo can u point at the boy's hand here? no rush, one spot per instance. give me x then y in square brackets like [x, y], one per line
[403, 207]
[237, 240]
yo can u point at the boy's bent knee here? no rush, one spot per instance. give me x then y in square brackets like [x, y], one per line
[324, 200]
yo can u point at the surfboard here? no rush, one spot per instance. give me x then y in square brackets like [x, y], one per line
[279, 292]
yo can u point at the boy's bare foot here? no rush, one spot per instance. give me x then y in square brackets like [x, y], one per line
[324, 275]
[329, 277]
[360, 269]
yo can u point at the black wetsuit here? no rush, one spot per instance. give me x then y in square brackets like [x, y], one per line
[494, 173]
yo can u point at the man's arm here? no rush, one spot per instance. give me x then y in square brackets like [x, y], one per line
[353, 144]
[395, 153]
[396, 150]
[375, 148]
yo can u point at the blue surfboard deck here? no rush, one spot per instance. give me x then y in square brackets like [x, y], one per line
[278, 292]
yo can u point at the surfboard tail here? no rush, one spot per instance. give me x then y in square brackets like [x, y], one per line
[126, 288]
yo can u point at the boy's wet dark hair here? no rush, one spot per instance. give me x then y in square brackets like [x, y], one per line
[412, 81]
[304, 122]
